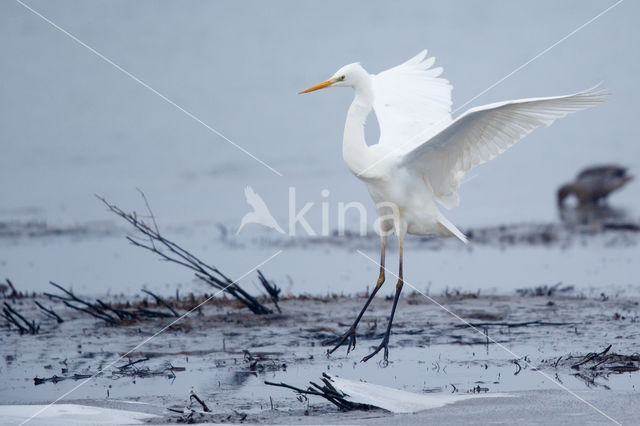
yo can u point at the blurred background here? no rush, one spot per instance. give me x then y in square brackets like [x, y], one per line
[72, 125]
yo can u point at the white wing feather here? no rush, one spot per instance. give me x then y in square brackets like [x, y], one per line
[409, 99]
[482, 133]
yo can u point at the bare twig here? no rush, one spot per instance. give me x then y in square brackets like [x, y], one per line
[271, 288]
[328, 392]
[192, 396]
[50, 312]
[55, 379]
[11, 313]
[589, 357]
[14, 293]
[515, 361]
[513, 324]
[7, 315]
[161, 301]
[121, 313]
[146, 203]
[127, 370]
[101, 310]
[169, 251]
[92, 308]
[131, 363]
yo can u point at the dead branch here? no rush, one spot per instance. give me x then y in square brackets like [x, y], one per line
[161, 301]
[514, 324]
[515, 361]
[49, 312]
[128, 370]
[11, 314]
[11, 320]
[91, 309]
[192, 396]
[14, 293]
[167, 250]
[87, 311]
[55, 379]
[328, 392]
[272, 290]
[120, 313]
[107, 313]
[589, 357]
[593, 365]
[132, 363]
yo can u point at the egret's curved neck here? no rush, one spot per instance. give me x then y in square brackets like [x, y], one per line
[355, 151]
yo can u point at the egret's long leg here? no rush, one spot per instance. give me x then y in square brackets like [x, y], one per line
[351, 332]
[385, 340]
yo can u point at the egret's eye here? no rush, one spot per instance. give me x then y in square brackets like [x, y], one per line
[341, 78]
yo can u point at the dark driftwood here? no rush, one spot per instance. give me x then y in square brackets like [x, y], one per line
[14, 294]
[132, 363]
[193, 396]
[590, 357]
[49, 312]
[272, 290]
[91, 308]
[14, 317]
[513, 324]
[55, 379]
[107, 313]
[326, 391]
[594, 365]
[161, 301]
[130, 369]
[151, 239]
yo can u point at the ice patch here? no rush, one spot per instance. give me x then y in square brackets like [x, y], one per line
[396, 400]
[69, 414]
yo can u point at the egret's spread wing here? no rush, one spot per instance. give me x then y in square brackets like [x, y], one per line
[409, 99]
[482, 133]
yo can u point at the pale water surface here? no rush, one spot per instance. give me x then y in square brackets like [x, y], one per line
[72, 126]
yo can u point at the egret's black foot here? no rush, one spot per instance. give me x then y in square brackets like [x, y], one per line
[349, 336]
[383, 345]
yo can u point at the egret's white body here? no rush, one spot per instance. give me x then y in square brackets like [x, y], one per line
[423, 153]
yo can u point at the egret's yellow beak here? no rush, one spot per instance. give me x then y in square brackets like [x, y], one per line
[319, 86]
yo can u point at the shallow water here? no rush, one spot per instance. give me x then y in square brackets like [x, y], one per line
[227, 354]
[72, 126]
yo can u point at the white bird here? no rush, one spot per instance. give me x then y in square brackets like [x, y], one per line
[260, 214]
[423, 154]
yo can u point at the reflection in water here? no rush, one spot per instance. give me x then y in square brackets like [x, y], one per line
[592, 214]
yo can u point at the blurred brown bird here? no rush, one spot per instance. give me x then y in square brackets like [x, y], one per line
[594, 184]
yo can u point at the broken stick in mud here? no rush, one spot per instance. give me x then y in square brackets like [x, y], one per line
[152, 240]
[328, 392]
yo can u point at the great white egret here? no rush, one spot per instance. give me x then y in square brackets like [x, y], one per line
[423, 154]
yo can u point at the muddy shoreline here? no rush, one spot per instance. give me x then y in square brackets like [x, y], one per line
[224, 354]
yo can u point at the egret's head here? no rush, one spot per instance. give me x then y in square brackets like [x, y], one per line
[347, 76]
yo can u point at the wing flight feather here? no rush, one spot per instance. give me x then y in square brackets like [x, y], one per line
[409, 99]
[482, 133]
